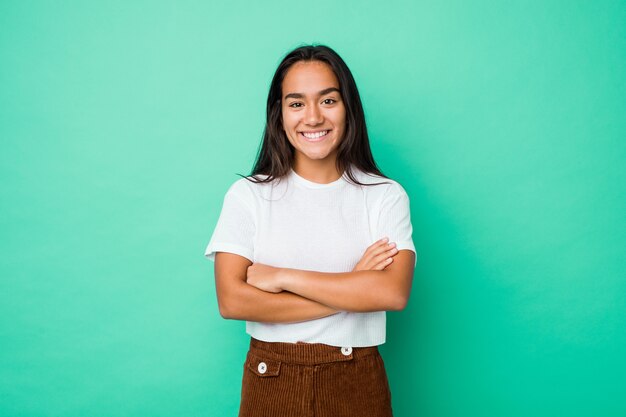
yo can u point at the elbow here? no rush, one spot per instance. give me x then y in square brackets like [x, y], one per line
[398, 302]
[397, 289]
[228, 308]
[234, 302]
[225, 312]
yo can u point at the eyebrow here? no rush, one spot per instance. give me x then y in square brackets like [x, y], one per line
[321, 93]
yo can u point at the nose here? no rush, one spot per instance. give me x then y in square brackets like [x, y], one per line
[313, 116]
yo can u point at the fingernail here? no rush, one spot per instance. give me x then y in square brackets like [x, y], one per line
[392, 244]
[385, 239]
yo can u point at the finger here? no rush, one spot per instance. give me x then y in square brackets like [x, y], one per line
[382, 265]
[377, 249]
[383, 249]
[379, 254]
[386, 249]
[379, 261]
[386, 254]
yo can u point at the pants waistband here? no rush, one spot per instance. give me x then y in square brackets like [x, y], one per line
[302, 353]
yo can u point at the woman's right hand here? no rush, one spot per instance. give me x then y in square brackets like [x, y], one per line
[377, 256]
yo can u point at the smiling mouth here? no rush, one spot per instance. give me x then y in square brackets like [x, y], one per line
[315, 136]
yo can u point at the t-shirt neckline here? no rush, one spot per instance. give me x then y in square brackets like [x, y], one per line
[310, 184]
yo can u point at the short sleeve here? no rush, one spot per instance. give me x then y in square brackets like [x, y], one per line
[394, 219]
[235, 228]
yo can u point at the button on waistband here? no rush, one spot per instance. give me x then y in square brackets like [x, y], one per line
[275, 353]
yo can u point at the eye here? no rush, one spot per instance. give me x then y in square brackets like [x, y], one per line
[329, 101]
[295, 104]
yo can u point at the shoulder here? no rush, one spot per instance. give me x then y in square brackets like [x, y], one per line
[385, 188]
[249, 189]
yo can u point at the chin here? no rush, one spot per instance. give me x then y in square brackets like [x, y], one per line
[316, 156]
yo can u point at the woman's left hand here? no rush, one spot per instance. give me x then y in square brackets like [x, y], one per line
[264, 277]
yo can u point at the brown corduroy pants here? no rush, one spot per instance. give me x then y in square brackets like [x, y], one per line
[313, 380]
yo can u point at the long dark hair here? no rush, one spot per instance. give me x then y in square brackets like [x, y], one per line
[276, 155]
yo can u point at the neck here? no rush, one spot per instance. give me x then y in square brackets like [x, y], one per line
[321, 172]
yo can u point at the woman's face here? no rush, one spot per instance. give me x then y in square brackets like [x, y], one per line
[313, 112]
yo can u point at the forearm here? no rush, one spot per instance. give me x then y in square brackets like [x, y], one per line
[358, 291]
[245, 302]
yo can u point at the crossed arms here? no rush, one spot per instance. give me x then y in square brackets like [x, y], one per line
[381, 281]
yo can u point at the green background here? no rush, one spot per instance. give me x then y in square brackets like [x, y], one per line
[123, 123]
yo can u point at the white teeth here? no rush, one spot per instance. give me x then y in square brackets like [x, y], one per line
[315, 135]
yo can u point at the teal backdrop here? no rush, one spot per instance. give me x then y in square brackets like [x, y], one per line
[123, 123]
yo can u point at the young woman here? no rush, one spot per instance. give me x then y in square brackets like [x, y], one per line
[312, 248]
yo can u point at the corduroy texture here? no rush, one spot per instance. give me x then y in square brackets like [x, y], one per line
[306, 380]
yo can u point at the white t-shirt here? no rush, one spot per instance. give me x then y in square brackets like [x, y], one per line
[300, 224]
